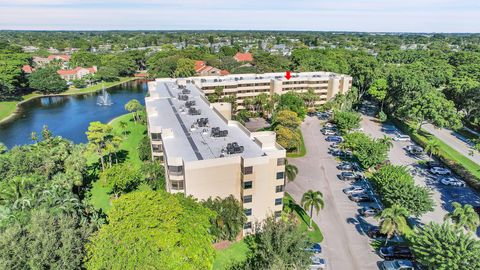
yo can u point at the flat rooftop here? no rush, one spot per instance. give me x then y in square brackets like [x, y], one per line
[189, 142]
[266, 76]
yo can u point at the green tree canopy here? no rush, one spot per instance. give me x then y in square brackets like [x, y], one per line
[293, 102]
[229, 220]
[47, 81]
[153, 229]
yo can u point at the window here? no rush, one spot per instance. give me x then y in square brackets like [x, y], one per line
[247, 185]
[156, 136]
[279, 188]
[278, 214]
[158, 158]
[280, 175]
[175, 170]
[280, 161]
[247, 199]
[248, 212]
[177, 185]
[278, 201]
[157, 148]
[248, 170]
[247, 225]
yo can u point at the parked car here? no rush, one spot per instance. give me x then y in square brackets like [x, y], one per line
[315, 248]
[328, 132]
[440, 171]
[414, 150]
[317, 263]
[354, 190]
[432, 163]
[362, 197]
[369, 211]
[389, 128]
[397, 265]
[329, 125]
[357, 129]
[452, 181]
[348, 176]
[374, 232]
[402, 138]
[395, 252]
[334, 139]
[334, 145]
[345, 166]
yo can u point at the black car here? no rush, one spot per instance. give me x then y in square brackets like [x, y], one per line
[396, 252]
[431, 164]
[345, 176]
[361, 198]
[374, 232]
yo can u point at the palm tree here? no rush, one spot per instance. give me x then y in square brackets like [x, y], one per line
[291, 171]
[464, 217]
[387, 141]
[432, 147]
[123, 126]
[393, 220]
[310, 200]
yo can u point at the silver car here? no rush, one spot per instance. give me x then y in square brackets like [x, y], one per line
[397, 265]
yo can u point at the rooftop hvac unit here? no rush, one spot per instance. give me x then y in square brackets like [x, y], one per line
[190, 103]
[182, 97]
[194, 111]
[202, 122]
[186, 91]
[234, 148]
[217, 133]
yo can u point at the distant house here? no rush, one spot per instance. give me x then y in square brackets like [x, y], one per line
[202, 69]
[27, 69]
[76, 73]
[42, 61]
[243, 57]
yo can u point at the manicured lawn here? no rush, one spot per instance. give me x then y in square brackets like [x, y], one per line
[315, 235]
[9, 107]
[234, 253]
[302, 150]
[100, 195]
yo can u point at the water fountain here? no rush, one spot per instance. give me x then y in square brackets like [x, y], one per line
[104, 99]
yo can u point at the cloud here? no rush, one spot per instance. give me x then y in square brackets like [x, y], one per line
[344, 15]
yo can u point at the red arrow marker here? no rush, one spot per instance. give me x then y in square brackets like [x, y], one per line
[287, 75]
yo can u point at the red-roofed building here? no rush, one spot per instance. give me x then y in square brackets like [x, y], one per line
[42, 61]
[27, 69]
[224, 72]
[202, 69]
[63, 57]
[76, 73]
[243, 57]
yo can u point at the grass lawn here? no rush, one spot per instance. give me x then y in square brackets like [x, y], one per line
[234, 253]
[9, 107]
[302, 150]
[100, 195]
[315, 235]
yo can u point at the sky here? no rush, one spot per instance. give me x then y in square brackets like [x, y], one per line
[316, 15]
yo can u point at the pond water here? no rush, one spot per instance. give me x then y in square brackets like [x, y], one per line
[68, 116]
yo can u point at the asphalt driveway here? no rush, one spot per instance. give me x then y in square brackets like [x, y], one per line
[345, 247]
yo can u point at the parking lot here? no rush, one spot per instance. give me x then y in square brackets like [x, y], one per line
[443, 195]
[345, 246]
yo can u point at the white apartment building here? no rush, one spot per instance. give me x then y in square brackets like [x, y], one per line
[206, 154]
[326, 84]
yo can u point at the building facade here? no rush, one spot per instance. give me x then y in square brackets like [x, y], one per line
[325, 84]
[206, 154]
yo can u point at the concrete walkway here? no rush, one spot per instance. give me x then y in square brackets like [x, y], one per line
[345, 247]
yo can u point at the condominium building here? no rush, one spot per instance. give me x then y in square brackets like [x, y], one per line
[206, 154]
[326, 84]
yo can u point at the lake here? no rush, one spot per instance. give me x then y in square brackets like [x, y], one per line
[68, 116]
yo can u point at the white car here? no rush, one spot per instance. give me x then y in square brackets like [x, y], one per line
[452, 181]
[440, 171]
[329, 125]
[357, 129]
[401, 137]
[329, 132]
[354, 190]
[317, 263]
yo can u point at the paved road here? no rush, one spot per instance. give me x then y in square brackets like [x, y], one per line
[442, 195]
[455, 141]
[345, 246]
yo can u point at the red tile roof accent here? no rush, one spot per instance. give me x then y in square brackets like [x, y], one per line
[199, 65]
[224, 72]
[243, 57]
[27, 69]
[76, 70]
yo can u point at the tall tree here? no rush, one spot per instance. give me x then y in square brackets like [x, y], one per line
[444, 247]
[229, 220]
[291, 171]
[393, 221]
[312, 200]
[464, 217]
[134, 106]
[363, 69]
[47, 81]
[432, 147]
